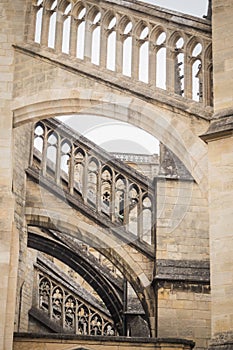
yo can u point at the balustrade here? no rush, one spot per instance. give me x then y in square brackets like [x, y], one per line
[145, 47]
[100, 181]
[68, 310]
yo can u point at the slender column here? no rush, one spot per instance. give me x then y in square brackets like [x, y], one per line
[188, 77]
[58, 162]
[45, 26]
[170, 70]
[152, 64]
[59, 31]
[113, 198]
[126, 206]
[88, 41]
[85, 180]
[119, 52]
[205, 82]
[103, 46]
[73, 37]
[135, 58]
[71, 171]
[32, 26]
[98, 190]
[44, 153]
[140, 217]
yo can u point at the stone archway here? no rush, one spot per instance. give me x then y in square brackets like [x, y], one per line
[112, 249]
[178, 131]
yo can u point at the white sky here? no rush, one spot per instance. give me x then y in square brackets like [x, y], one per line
[115, 136]
[193, 7]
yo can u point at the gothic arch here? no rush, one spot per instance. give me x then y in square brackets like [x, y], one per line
[172, 129]
[113, 250]
[84, 269]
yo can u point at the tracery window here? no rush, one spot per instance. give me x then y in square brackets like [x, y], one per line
[68, 310]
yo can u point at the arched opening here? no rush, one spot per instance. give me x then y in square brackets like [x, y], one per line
[111, 44]
[39, 18]
[197, 78]
[127, 50]
[179, 68]
[161, 71]
[81, 33]
[66, 30]
[95, 50]
[52, 25]
[144, 55]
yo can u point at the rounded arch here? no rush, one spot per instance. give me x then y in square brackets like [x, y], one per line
[176, 133]
[78, 8]
[174, 37]
[139, 27]
[123, 22]
[155, 33]
[92, 12]
[191, 43]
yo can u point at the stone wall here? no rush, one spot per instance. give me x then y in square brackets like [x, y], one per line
[22, 154]
[182, 227]
[12, 26]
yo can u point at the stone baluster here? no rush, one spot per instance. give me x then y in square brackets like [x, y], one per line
[126, 205]
[85, 179]
[119, 48]
[152, 63]
[188, 76]
[99, 189]
[44, 152]
[59, 31]
[103, 45]
[170, 69]
[58, 161]
[45, 26]
[88, 40]
[71, 171]
[135, 57]
[73, 36]
[32, 26]
[140, 216]
[113, 198]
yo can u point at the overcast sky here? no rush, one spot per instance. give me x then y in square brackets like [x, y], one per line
[192, 7]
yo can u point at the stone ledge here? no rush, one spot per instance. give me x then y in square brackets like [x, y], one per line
[220, 127]
[183, 270]
[62, 337]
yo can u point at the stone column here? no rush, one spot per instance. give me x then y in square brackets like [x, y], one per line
[12, 24]
[220, 148]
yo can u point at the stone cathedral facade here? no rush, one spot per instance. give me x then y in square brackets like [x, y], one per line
[103, 251]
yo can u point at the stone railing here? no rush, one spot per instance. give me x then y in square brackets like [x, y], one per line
[137, 158]
[135, 41]
[67, 310]
[91, 175]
